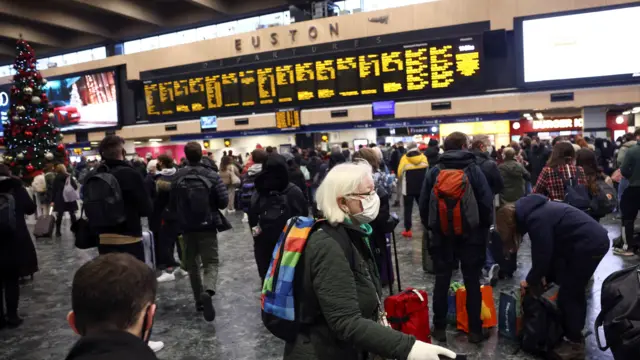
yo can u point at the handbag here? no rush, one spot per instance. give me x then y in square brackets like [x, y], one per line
[235, 180]
[86, 238]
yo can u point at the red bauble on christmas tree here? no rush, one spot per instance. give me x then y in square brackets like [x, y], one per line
[29, 132]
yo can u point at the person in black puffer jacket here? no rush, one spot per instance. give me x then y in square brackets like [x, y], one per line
[247, 183]
[481, 148]
[17, 253]
[432, 152]
[273, 183]
[296, 177]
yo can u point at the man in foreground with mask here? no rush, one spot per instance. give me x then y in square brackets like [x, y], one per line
[112, 297]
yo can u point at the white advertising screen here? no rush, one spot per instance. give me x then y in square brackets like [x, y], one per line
[580, 46]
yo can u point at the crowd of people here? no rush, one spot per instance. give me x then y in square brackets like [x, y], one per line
[554, 187]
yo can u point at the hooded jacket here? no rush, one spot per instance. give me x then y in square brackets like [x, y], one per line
[111, 345]
[460, 159]
[514, 176]
[163, 183]
[411, 171]
[432, 153]
[557, 231]
[537, 156]
[247, 186]
[623, 151]
[630, 167]
[18, 252]
[490, 170]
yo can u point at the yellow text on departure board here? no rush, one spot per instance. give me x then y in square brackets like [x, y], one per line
[181, 93]
[230, 80]
[305, 77]
[326, 77]
[369, 68]
[248, 80]
[441, 66]
[417, 70]
[213, 87]
[347, 68]
[165, 90]
[288, 119]
[393, 65]
[285, 79]
[468, 63]
[150, 92]
[266, 86]
[196, 87]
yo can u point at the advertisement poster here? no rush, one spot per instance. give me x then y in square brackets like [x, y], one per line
[4, 105]
[84, 101]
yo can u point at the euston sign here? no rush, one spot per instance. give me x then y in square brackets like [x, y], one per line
[558, 124]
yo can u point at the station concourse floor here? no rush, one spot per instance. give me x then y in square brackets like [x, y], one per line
[237, 332]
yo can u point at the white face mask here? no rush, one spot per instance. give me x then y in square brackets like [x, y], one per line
[370, 209]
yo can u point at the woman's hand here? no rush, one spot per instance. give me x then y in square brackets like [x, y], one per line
[424, 351]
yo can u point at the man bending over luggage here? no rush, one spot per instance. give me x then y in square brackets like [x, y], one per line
[458, 229]
[560, 234]
[113, 301]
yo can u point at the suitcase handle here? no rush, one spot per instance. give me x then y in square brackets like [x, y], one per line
[598, 324]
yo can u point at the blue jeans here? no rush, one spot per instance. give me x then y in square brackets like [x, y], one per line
[528, 188]
[489, 260]
[622, 186]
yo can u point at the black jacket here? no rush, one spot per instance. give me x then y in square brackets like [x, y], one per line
[219, 198]
[161, 208]
[490, 170]
[537, 156]
[111, 345]
[59, 205]
[396, 155]
[18, 253]
[296, 177]
[432, 153]
[137, 202]
[557, 231]
[460, 159]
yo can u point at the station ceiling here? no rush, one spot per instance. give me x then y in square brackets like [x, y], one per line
[52, 26]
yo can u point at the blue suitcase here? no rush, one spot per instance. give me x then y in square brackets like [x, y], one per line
[149, 249]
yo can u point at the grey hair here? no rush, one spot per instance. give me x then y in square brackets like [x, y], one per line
[342, 180]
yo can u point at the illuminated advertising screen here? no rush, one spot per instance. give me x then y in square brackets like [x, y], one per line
[574, 48]
[416, 70]
[208, 122]
[87, 101]
[4, 106]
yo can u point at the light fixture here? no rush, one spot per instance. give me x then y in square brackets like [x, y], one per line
[527, 115]
[539, 116]
[434, 129]
[137, 142]
[619, 119]
[636, 110]
[628, 112]
[155, 140]
[516, 125]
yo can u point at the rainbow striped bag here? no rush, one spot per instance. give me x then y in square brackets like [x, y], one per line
[278, 305]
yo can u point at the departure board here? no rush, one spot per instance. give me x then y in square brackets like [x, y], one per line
[288, 118]
[285, 83]
[248, 88]
[266, 86]
[419, 70]
[305, 81]
[326, 78]
[348, 76]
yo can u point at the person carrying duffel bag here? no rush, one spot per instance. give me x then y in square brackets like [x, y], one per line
[620, 314]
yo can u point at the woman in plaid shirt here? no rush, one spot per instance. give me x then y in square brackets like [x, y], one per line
[559, 168]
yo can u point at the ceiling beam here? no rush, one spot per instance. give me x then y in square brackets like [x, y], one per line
[216, 5]
[53, 17]
[128, 9]
[15, 31]
[7, 50]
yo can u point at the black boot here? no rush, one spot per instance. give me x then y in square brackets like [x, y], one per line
[14, 321]
[475, 338]
[568, 350]
[439, 335]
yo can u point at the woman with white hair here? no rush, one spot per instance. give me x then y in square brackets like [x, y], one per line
[339, 285]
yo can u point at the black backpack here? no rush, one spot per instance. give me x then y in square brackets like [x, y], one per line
[575, 194]
[542, 325]
[7, 213]
[193, 201]
[605, 201]
[273, 212]
[102, 198]
[620, 314]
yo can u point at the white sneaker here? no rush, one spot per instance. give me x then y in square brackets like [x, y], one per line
[181, 272]
[492, 275]
[245, 218]
[231, 211]
[156, 345]
[166, 277]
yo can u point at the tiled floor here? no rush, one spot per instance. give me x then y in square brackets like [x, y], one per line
[237, 332]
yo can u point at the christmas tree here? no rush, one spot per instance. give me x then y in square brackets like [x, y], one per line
[31, 138]
[75, 100]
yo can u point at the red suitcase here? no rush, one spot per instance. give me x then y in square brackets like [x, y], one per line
[408, 312]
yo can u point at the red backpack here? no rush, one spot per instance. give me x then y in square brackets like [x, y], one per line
[408, 312]
[453, 209]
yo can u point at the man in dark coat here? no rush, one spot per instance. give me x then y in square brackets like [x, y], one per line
[481, 149]
[432, 152]
[394, 162]
[17, 253]
[273, 180]
[202, 242]
[60, 206]
[446, 251]
[559, 234]
[113, 308]
[537, 156]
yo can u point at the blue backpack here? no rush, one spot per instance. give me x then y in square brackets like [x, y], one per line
[575, 194]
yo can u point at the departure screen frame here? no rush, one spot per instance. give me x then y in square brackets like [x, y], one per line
[566, 82]
[360, 91]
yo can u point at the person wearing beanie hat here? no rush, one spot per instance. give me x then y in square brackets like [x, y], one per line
[432, 152]
[411, 172]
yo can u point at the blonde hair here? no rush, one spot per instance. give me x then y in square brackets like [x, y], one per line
[509, 153]
[61, 169]
[370, 156]
[342, 180]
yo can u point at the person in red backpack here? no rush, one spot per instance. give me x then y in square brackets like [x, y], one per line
[456, 206]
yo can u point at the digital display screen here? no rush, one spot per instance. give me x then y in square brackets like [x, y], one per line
[208, 122]
[4, 106]
[575, 46]
[288, 118]
[414, 70]
[87, 101]
[383, 109]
